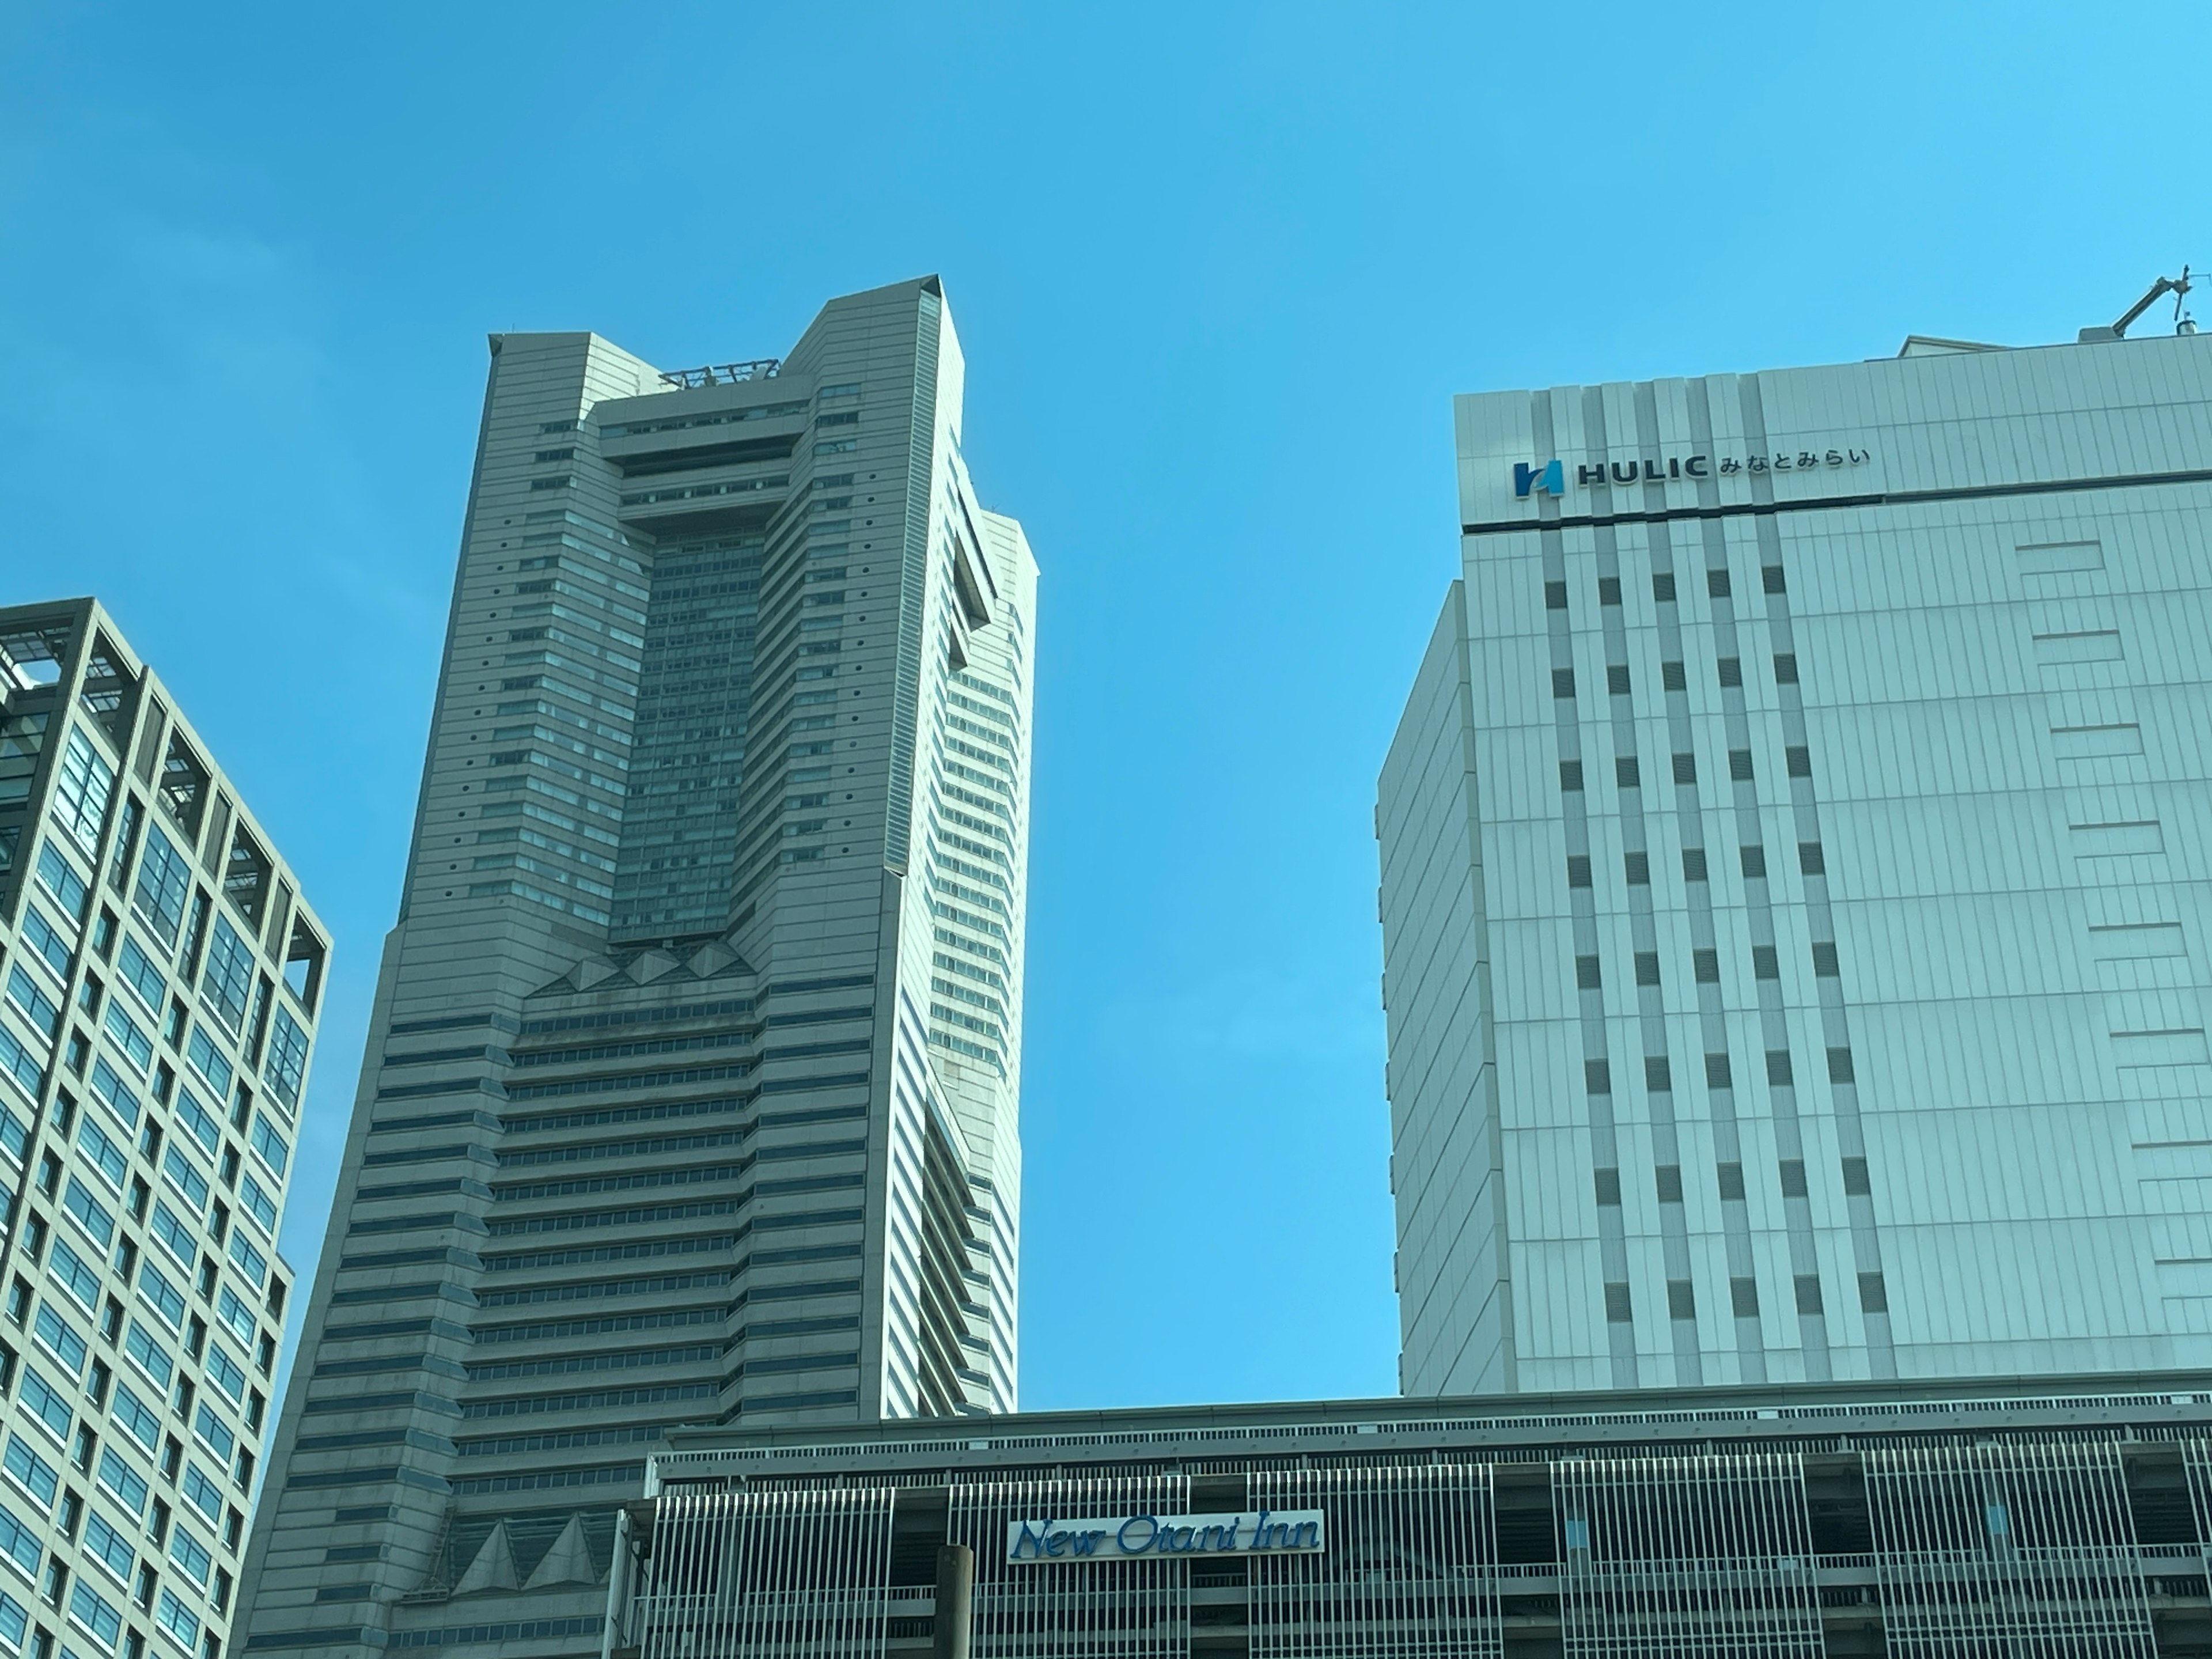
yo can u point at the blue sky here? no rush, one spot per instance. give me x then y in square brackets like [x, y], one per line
[1218, 270]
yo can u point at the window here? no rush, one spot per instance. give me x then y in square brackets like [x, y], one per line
[20, 1067]
[1693, 864]
[213, 1435]
[1563, 682]
[86, 786]
[287, 1067]
[1578, 870]
[177, 1170]
[1770, 576]
[1597, 1077]
[60, 1339]
[46, 940]
[189, 1553]
[1743, 1297]
[1672, 677]
[1777, 1068]
[1685, 768]
[1799, 761]
[1663, 587]
[30, 998]
[1571, 775]
[1717, 584]
[143, 975]
[1555, 596]
[149, 1356]
[1658, 1075]
[48, 1403]
[1785, 668]
[1755, 863]
[251, 1262]
[167, 1299]
[138, 1419]
[258, 1203]
[226, 1373]
[1792, 1178]
[229, 978]
[1811, 859]
[1705, 965]
[164, 880]
[77, 1276]
[1617, 1309]
[1586, 976]
[202, 1493]
[1839, 1066]
[90, 1610]
[1809, 1293]
[1731, 671]
[109, 1547]
[1739, 765]
[1608, 590]
[19, 1545]
[178, 1623]
[199, 1120]
[30, 1471]
[1874, 1295]
[271, 1147]
[107, 1087]
[1638, 868]
[128, 1485]
[1616, 680]
[62, 882]
[1647, 966]
[1716, 1071]
[1766, 962]
[1855, 1177]
[176, 1237]
[1681, 1300]
[236, 1317]
[91, 1214]
[1608, 1188]
[1669, 1178]
[105, 1155]
[1625, 772]
[208, 1061]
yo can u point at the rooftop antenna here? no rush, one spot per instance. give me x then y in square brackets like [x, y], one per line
[2182, 323]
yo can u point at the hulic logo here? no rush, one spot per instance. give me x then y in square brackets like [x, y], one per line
[1551, 478]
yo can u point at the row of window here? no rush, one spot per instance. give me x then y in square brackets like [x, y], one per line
[1676, 676]
[1743, 1297]
[1668, 1181]
[1718, 584]
[1720, 1071]
[1751, 858]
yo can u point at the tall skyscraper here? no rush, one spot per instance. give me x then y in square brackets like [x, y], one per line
[1796, 915]
[161, 974]
[692, 1083]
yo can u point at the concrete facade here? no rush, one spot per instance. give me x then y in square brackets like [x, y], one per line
[692, 1085]
[161, 978]
[1795, 891]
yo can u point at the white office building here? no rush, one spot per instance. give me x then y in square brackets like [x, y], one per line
[1796, 879]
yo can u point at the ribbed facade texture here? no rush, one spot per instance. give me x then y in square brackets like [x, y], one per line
[162, 976]
[1814, 1524]
[692, 1082]
[1796, 903]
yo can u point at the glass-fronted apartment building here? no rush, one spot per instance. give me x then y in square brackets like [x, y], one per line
[160, 973]
[2063, 1518]
[692, 1084]
[1796, 903]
